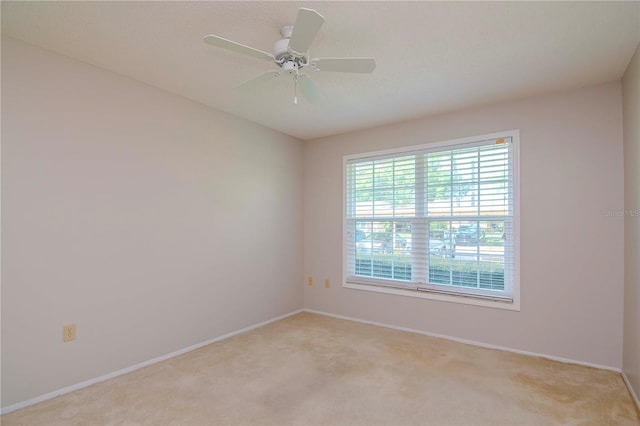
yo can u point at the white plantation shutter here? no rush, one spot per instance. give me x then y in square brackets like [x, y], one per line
[436, 218]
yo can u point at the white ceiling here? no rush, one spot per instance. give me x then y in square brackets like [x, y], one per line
[431, 57]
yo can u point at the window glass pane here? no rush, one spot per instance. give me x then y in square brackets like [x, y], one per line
[441, 239]
[438, 179]
[491, 255]
[472, 254]
[404, 186]
[452, 182]
[383, 249]
[384, 188]
[469, 234]
[493, 190]
[362, 188]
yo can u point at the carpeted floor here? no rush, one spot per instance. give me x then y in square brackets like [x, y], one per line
[309, 369]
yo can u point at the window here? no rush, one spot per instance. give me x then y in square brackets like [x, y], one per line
[437, 221]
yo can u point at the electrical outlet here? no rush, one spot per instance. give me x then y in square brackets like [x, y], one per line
[327, 283]
[68, 333]
[310, 280]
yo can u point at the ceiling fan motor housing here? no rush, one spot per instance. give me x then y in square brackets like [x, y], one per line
[289, 62]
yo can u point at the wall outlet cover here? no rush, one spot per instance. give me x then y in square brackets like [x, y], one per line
[68, 332]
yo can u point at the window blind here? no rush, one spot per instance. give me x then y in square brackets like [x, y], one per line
[437, 218]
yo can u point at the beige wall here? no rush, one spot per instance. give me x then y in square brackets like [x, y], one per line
[150, 221]
[571, 251]
[631, 112]
[120, 214]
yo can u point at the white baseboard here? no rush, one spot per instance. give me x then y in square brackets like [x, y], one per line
[633, 393]
[126, 370]
[468, 342]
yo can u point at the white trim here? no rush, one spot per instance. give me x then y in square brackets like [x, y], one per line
[467, 299]
[468, 342]
[515, 289]
[633, 393]
[134, 367]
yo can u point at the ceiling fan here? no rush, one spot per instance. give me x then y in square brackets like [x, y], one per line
[291, 56]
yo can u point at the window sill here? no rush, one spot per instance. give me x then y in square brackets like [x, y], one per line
[463, 299]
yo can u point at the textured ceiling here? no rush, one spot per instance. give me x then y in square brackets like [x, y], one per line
[431, 57]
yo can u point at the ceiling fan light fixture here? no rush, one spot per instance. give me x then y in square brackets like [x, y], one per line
[290, 66]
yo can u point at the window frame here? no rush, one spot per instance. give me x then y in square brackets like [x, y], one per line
[435, 292]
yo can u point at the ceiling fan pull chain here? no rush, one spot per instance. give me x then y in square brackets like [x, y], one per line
[295, 88]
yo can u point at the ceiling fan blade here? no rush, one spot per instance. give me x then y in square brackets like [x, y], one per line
[309, 89]
[361, 65]
[214, 40]
[305, 29]
[258, 81]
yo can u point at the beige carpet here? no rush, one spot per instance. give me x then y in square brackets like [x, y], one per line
[309, 369]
